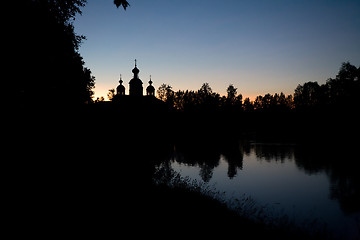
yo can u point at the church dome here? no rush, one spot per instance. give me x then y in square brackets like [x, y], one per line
[135, 81]
[120, 88]
[136, 70]
[150, 88]
[136, 88]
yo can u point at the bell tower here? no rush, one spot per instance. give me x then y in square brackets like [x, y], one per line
[150, 90]
[136, 88]
[120, 90]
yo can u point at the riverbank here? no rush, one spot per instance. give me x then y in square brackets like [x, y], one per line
[94, 205]
[90, 173]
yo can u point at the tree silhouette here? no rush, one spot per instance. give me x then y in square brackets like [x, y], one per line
[344, 89]
[122, 3]
[206, 99]
[248, 106]
[111, 94]
[205, 90]
[339, 92]
[45, 40]
[231, 92]
[54, 72]
[307, 95]
[165, 92]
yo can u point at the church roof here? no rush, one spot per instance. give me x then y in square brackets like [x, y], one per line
[150, 88]
[135, 70]
[120, 87]
[135, 81]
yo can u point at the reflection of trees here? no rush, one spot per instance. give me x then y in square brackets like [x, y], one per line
[205, 153]
[345, 186]
[337, 162]
[234, 155]
[206, 172]
[271, 152]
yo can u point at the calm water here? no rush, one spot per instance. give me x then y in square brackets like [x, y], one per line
[309, 186]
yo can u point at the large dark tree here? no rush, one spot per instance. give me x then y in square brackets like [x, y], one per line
[307, 95]
[344, 90]
[340, 92]
[51, 70]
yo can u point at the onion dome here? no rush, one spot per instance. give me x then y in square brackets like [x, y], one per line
[120, 90]
[150, 90]
[135, 83]
[135, 70]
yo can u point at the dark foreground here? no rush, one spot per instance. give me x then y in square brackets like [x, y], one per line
[93, 207]
[91, 173]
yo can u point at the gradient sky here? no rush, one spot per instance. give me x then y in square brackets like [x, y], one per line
[260, 47]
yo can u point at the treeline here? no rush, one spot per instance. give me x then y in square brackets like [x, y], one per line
[339, 92]
[52, 71]
[206, 99]
[49, 68]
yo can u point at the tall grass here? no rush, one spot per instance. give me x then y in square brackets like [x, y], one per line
[245, 207]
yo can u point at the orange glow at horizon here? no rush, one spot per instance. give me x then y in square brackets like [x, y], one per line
[102, 92]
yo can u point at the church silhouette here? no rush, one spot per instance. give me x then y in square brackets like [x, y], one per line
[135, 85]
[136, 100]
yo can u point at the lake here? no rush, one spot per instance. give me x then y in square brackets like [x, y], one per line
[313, 187]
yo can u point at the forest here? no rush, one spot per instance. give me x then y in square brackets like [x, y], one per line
[339, 92]
[55, 77]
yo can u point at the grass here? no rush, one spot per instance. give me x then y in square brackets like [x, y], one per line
[191, 203]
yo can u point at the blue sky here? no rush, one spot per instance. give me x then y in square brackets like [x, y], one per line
[258, 46]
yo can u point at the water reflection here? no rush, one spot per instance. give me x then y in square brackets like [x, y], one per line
[340, 166]
[273, 151]
[337, 163]
[206, 155]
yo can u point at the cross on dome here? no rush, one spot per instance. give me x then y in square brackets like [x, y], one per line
[150, 82]
[121, 81]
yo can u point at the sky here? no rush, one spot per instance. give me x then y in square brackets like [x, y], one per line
[259, 46]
